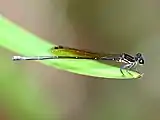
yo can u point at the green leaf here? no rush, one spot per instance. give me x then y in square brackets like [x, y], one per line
[23, 42]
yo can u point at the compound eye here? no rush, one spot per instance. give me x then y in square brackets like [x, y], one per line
[138, 55]
[141, 61]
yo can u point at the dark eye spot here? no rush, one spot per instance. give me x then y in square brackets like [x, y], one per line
[141, 61]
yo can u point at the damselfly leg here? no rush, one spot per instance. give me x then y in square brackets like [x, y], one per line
[127, 67]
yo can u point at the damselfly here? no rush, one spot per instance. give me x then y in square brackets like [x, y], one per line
[60, 52]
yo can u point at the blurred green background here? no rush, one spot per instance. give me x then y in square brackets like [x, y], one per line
[33, 91]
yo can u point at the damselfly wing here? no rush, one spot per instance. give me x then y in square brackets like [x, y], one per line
[67, 51]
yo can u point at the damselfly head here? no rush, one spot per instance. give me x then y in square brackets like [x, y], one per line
[140, 58]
